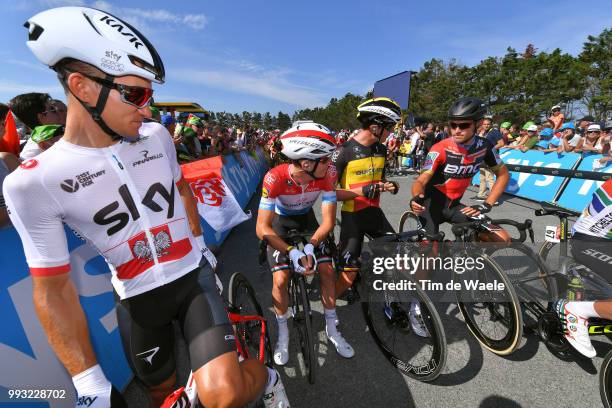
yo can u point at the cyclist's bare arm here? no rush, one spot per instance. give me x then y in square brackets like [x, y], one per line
[328, 212]
[502, 176]
[191, 207]
[60, 313]
[265, 232]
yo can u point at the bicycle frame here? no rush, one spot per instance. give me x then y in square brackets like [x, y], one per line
[243, 352]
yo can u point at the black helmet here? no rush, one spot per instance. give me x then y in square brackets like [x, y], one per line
[467, 108]
[382, 111]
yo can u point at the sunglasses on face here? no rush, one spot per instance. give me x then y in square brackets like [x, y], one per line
[462, 126]
[137, 96]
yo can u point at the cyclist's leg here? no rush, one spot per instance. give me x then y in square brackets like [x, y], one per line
[351, 239]
[597, 256]
[220, 379]
[147, 335]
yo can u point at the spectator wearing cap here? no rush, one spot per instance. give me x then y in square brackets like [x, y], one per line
[569, 139]
[36, 109]
[583, 125]
[45, 136]
[591, 143]
[504, 129]
[189, 149]
[168, 122]
[544, 138]
[528, 139]
[556, 118]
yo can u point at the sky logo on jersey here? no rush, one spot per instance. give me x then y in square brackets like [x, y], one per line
[430, 159]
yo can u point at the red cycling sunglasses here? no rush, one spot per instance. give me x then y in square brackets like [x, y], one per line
[137, 96]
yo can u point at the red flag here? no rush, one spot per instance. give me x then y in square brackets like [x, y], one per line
[10, 140]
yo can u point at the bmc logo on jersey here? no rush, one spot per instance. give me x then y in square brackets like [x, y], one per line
[468, 170]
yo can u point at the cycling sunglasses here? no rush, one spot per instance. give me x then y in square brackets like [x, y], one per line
[137, 96]
[462, 126]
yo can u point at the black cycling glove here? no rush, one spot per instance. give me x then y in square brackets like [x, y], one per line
[482, 208]
[371, 191]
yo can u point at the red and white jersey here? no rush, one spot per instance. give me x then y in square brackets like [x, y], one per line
[281, 194]
[122, 199]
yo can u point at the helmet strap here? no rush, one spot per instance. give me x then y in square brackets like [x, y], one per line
[96, 112]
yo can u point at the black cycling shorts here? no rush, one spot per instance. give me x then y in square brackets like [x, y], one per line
[593, 252]
[147, 332]
[353, 227]
[439, 209]
[302, 223]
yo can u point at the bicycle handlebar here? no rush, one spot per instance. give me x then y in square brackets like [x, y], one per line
[410, 236]
[460, 229]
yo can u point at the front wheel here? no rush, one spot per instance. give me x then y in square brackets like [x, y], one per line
[495, 319]
[391, 322]
[409, 221]
[605, 381]
[302, 322]
[242, 301]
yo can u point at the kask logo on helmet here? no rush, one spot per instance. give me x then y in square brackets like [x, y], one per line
[122, 30]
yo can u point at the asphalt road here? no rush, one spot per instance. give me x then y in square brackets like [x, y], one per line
[473, 377]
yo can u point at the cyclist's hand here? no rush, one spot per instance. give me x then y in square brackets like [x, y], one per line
[391, 186]
[416, 204]
[298, 258]
[476, 210]
[311, 262]
[372, 191]
[206, 253]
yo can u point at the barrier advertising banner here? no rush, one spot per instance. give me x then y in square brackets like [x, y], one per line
[578, 192]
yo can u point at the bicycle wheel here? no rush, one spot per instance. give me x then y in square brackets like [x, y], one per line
[497, 322]
[409, 221]
[605, 380]
[388, 320]
[302, 323]
[243, 301]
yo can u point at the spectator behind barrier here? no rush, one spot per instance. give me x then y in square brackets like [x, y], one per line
[557, 118]
[583, 125]
[35, 109]
[168, 122]
[592, 142]
[528, 137]
[45, 136]
[545, 136]
[568, 140]
[504, 129]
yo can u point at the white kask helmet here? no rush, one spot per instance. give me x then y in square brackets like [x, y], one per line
[308, 141]
[95, 37]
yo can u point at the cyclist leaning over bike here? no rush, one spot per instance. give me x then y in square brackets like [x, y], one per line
[360, 165]
[591, 245]
[288, 194]
[450, 166]
[140, 215]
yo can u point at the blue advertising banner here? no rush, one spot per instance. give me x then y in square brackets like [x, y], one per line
[28, 362]
[578, 192]
[535, 186]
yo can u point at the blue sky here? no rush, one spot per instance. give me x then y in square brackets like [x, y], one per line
[285, 55]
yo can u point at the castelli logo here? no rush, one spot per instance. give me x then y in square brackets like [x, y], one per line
[29, 164]
[209, 192]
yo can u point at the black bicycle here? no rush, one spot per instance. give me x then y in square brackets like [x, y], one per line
[299, 304]
[390, 313]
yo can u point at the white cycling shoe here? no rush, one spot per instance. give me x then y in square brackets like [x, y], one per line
[416, 320]
[281, 352]
[576, 329]
[274, 395]
[341, 345]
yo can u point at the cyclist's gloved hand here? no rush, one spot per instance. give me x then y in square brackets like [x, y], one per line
[394, 189]
[417, 203]
[206, 253]
[309, 251]
[482, 208]
[296, 255]
[371, 191]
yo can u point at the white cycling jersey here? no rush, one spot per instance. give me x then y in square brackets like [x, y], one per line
[596, 219]
[121, 199]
